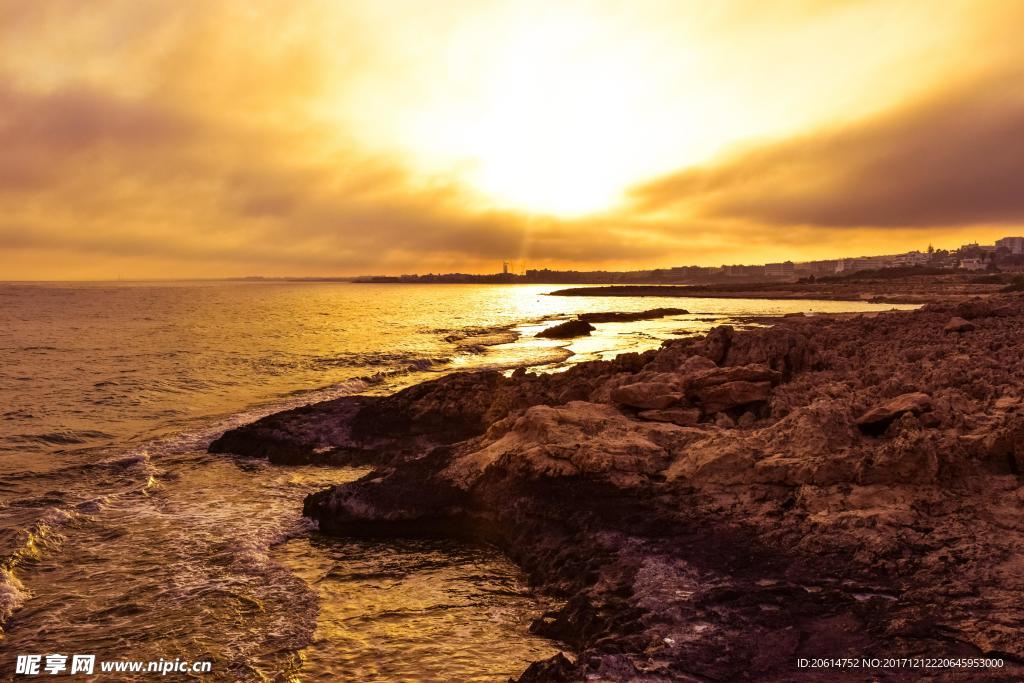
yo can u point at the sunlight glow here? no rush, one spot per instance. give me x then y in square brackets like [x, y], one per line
[556, 125]
[547, 118]
[559, 109]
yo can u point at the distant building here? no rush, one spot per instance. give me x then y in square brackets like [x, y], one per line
[853, 265]
[974, 248]
[816, 268]
[743, 271]
[691, 272]
[780, 270]
[911, 258]
[1014, 244]
[972, 264]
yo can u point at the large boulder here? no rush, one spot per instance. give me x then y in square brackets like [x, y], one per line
[787, 350]
[717, 342]
[575, 439]
[567, 330]
[878, 419]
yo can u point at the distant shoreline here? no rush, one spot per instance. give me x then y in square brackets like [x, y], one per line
[920, 289]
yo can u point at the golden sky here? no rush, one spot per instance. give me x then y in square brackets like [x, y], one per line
[180, 138]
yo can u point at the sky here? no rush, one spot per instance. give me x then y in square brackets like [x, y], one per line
[180, 138]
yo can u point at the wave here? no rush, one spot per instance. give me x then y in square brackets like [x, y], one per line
[361, 384]
[67, 437]
[138, 460]
[177, 385]
[17, 415]
[12, 595]
[254, 550]
[44, 519]
[45, 534]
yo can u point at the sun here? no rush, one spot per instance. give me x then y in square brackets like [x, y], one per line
[556, 139]
[558, 134]
[549, 119]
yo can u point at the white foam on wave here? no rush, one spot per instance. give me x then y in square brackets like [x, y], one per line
[47, 533]
[12, 595]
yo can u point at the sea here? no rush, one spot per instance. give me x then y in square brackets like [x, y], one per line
[121, 538]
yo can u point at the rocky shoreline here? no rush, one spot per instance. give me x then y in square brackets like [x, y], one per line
[906, 289]
[724, 506]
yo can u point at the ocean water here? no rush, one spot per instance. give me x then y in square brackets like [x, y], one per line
[121, 537]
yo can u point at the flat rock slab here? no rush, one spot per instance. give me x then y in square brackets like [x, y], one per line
[880, 417]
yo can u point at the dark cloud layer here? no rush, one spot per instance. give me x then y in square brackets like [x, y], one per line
[97, 174]
[956, 158]
[42, 133]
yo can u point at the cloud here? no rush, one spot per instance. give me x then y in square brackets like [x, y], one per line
[105, 176]
[227, 138]
[955, 158]
[196, 135]
[40, 133]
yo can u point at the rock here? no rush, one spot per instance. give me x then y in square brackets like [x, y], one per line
[394, 505]
[787, 351]
[717, 343]
[724, 421]
[646, 395]
[557, 669]
[577, 439]
[445, 410]
[974, 308]
[878, 419]
[720, 397]
[319, 433]
[679, 416]
[743, 373]
[629, 317]
[746, 420]
[567, 330]
[958, 325]
[1005, 402]
[694, 365]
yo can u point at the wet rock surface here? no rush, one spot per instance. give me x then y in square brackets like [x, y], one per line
[842, 486]
[649, 314]
[567, 330]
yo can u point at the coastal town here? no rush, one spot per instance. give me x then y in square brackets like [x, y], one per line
[1005, 255]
